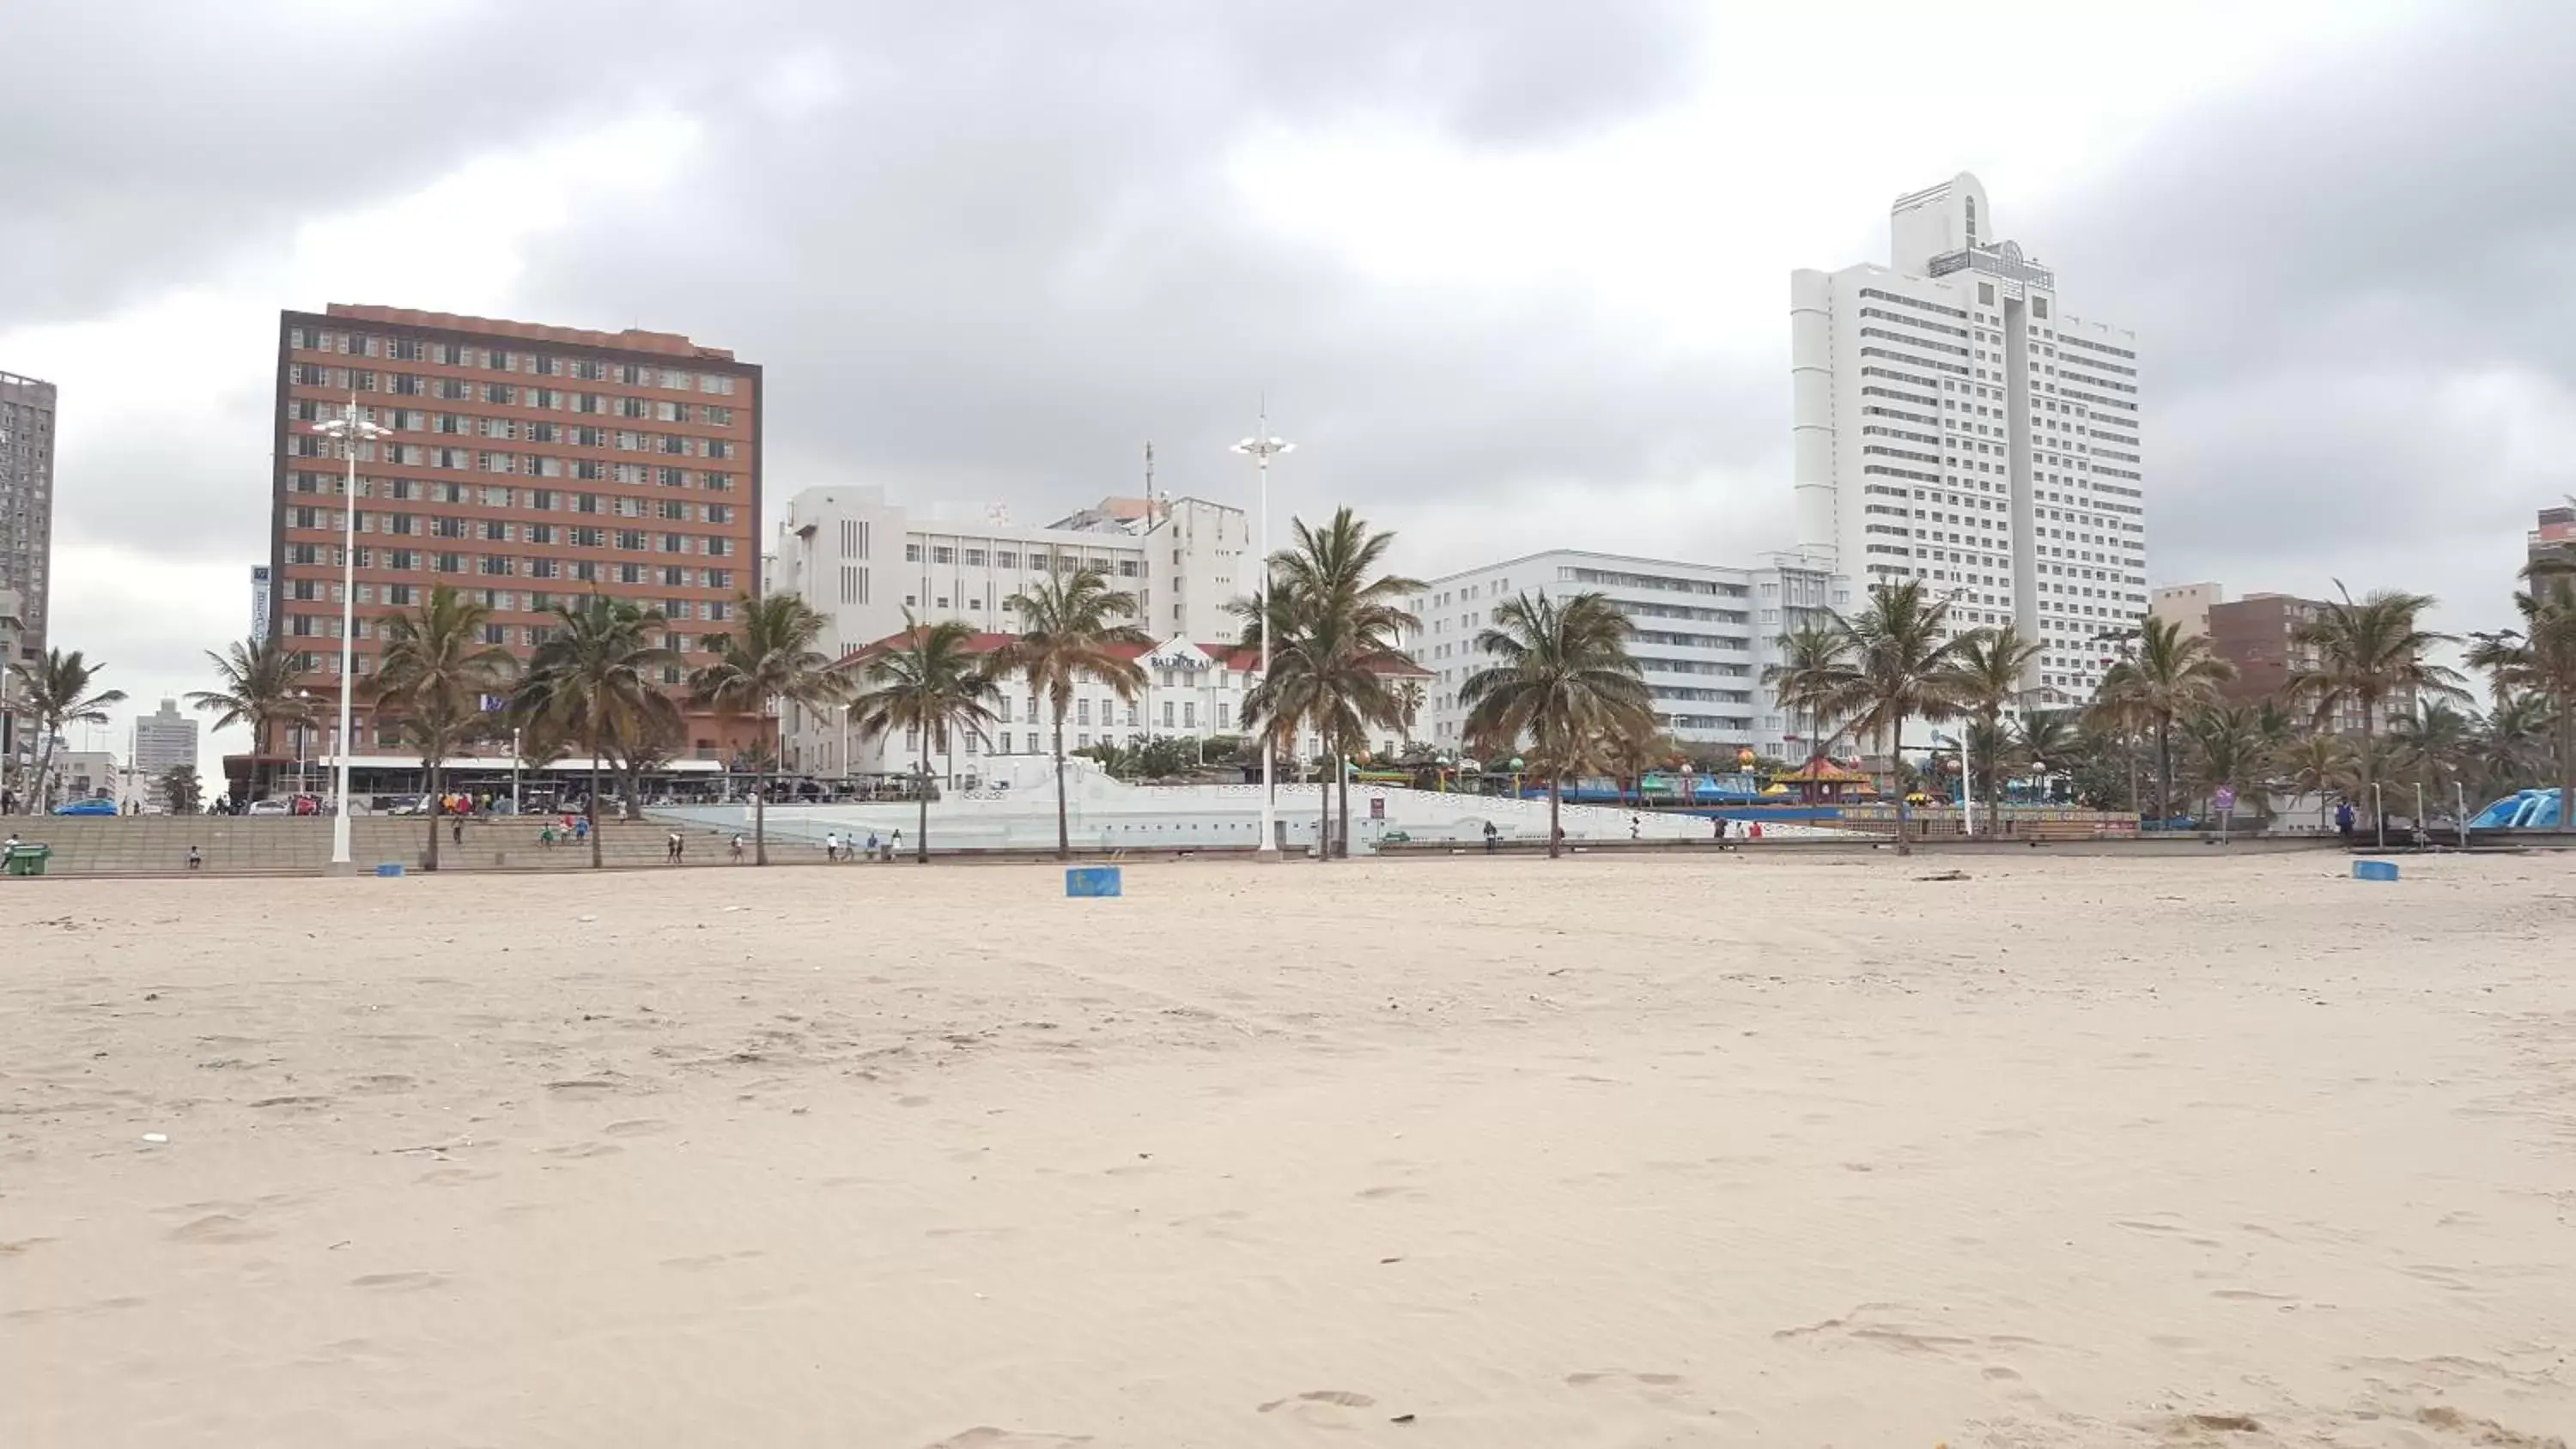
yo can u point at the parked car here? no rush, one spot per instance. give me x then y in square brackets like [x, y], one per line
[269, 807]
[407, 805]
[86, 807]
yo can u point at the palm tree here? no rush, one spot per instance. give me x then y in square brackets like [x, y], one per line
[2043, 735]
[2316, 765]
[769, 656]
[1564, 680]
[1812, 678]
[2512, 748]
[1902, 669]
[2170, 674]
[432, 678]
[1310, 685]
[256, 686]
[2433, 745]
[2368, 652]
[57, 691]
[596, 679]
[2225, 749]
[1990, 673]
[2541, 657]
[1407, 697]
[930, 685]
[1328, 584]
[1073, 627]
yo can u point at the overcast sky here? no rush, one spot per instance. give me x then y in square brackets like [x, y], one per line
[1512, 274]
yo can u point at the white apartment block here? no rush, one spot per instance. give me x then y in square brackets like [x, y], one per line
[1705, 632]
[862, 560]
[1954, 424]
[164, 740]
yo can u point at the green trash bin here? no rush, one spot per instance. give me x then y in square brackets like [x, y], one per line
[28, 859]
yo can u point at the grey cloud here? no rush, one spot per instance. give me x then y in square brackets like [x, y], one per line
[2314, 266]
[1006, 259]
[151, 136]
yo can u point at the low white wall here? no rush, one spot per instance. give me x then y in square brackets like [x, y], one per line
[1017, 811]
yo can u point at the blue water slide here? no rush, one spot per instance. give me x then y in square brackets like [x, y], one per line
[2523, 809]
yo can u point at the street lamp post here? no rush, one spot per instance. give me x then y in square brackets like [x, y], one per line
[348, 430]
[1261, 448]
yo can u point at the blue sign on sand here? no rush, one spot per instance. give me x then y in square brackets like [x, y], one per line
[2374, 870]
[1091, 880]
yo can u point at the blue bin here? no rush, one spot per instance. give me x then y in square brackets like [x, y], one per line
[2374, 870]
[390, 869]
[1091, 880]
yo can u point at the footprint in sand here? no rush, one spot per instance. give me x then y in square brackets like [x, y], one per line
[398, 1282]
[382, 1084]
[985, 1436]
[301, 1103]
[1654, 1385]
[219, 1228]
[584, 1149]
[452, 1177]
[700, 1261]
[637, 1127]
[581, 1090]
[1324, 1408]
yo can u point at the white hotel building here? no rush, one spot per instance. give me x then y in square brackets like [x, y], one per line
[862, 561]
[1705, 632]
[1954, 424]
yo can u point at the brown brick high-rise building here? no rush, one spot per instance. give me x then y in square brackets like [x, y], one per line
[2259, 635]
[529, 466]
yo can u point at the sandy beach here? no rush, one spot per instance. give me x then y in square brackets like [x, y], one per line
[1445, 1153]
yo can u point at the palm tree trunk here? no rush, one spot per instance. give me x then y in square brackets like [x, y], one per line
[1324, 820]
[1896, 777]
[2567, 761]
[591, 806]
[1554, 836]
[430, 861]
[2164, 767]
[2129, 752]
[1342, 786]
[921, 836]
[43, 794]
[760, 797]
[1063, 831]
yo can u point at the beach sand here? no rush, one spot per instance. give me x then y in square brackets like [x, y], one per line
[2191, 1151]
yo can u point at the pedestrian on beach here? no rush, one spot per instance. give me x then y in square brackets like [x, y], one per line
[456, 831]
[831, 845]
[894, 847]
[195, 861]
[736, 847]
[1636, 824]
[1492, 836]
[671, 847]
[581, 829]
[872, 845]
[546, 836]
[2343, 821]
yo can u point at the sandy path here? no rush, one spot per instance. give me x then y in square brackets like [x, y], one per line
[1610, 1153]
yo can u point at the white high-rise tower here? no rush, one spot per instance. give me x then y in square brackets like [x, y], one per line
[1954, 424]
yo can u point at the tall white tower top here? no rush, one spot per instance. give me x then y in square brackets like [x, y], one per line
[1938, 220]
